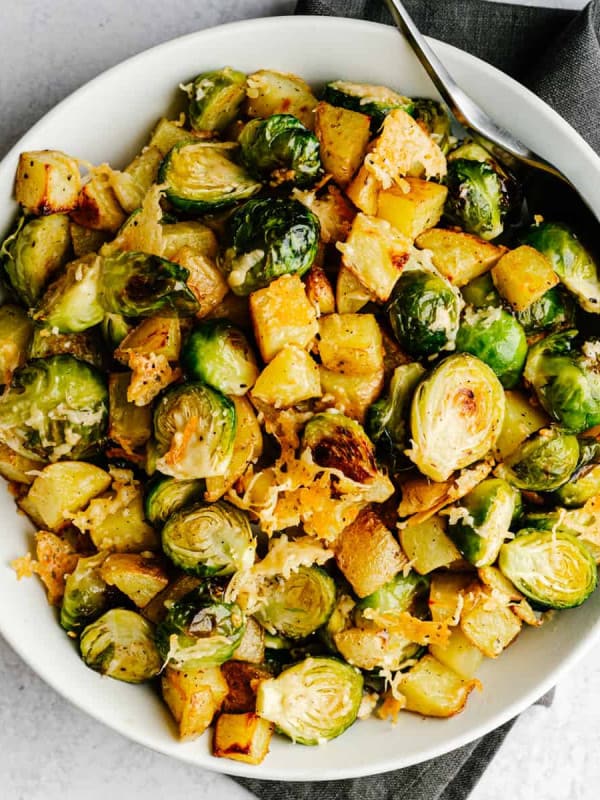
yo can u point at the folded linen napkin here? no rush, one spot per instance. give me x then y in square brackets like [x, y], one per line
[555, 53]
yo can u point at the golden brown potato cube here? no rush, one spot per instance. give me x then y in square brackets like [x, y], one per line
[194, 696]
[167, 134]
[17, 468]
[460, 257]
[460, 655]
[350, 394]
[242, 737]
[367, 553]
[137, 576]
[376, 253]
[97, 206]
[85, 240]
[350, 294]
[415, 211]
[179, 238]
[319, 291]
[252, 646]
[427, 545]
[432, 689]
[344, 136]
[282, 314]
[521, 419]
[269, 92]
[129, 426]
[144, 168]
[242, 679]
[350, 344]
[488, 624]
[291, 377]
[363, 191]
[445, 595]
[47, 182]
[56, 559]
[522, 276]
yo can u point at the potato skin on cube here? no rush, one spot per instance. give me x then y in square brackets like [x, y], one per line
[47, 182]
[242, 679]
[242, 737]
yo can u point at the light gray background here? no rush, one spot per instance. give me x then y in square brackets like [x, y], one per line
[48, 749]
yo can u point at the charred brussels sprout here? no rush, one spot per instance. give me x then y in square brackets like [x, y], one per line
[387, 420]
[33, 253]
[209, 539]
[121, 645]
[424, 312]
[554, 310]
[456, 416]
[85, 596]
[432, 116]
[551, 568]
[570, 260]
[166, 495]
[281, 150]
[566, 379]
[299, 604]
[140, 285]
[266, 239]
[480, 524]
[374, 101]
[55, 408]
[201, 177]
[218, 354]
[480, 193]
[494, 336]
[73, 303]
[544, 461]
[215, 98]
[194, 429]
[313, 701]
[198, 633]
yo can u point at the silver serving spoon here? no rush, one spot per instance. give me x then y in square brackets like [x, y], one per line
[547, 189]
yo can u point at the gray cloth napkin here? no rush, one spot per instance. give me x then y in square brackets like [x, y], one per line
[557, 54]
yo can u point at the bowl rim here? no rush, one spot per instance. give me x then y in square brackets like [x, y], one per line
[592, 634]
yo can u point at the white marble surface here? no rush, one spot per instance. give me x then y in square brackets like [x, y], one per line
[48, 749]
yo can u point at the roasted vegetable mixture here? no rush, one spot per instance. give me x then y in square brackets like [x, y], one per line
[304, 404]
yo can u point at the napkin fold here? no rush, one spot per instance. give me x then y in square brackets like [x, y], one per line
[556, 53]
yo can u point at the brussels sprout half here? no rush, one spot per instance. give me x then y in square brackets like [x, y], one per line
[494, 336]
[139, 285]
[209, 539]
[120, 644]
[481, 292]
[544, 461]
[215, 98]
[432, 116]
[201, 177]
[219, 354]
[566, 380]
[313, 701]
[194, 429]
[551, 568]
[374, 101]
[399, 594]
[266, 239]
[197, 633]
[584, 483]
[72, 303]
[165, 495]
[570, 260]
[424, 312]
[299, 604]
[55, 408]
[456, 416]
[554, 310]
[85, 594]
[480, 524]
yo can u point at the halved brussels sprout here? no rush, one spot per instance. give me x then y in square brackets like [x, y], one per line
[114, 328]
[387, 420]
[374, 101]
[140, 285]
[552, 568]
[481, 292]
[494, 336]
[166, 495]
[313, 701]
[432, 116]
[584, 483]
[215, 98]
[266, 239]
[55, 408]
[456, 416]
[281, 150]
[219, 354]
[480, 192]
[73, 302]
[86, 346]
[544, 461]
[480, 524]
[398, 595]
[299, 604]
[120, 644]
[194, 429]
[553, 311]
[566, 379]
[209, 539]
[85, 596]
[200, 176]
[33, 253]
[570, 260]
[424, 312]
[198, 633]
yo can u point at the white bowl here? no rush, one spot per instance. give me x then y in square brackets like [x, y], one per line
[108, 120]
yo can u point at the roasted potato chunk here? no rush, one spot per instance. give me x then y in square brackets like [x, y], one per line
[47, 182]
[242, 737]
